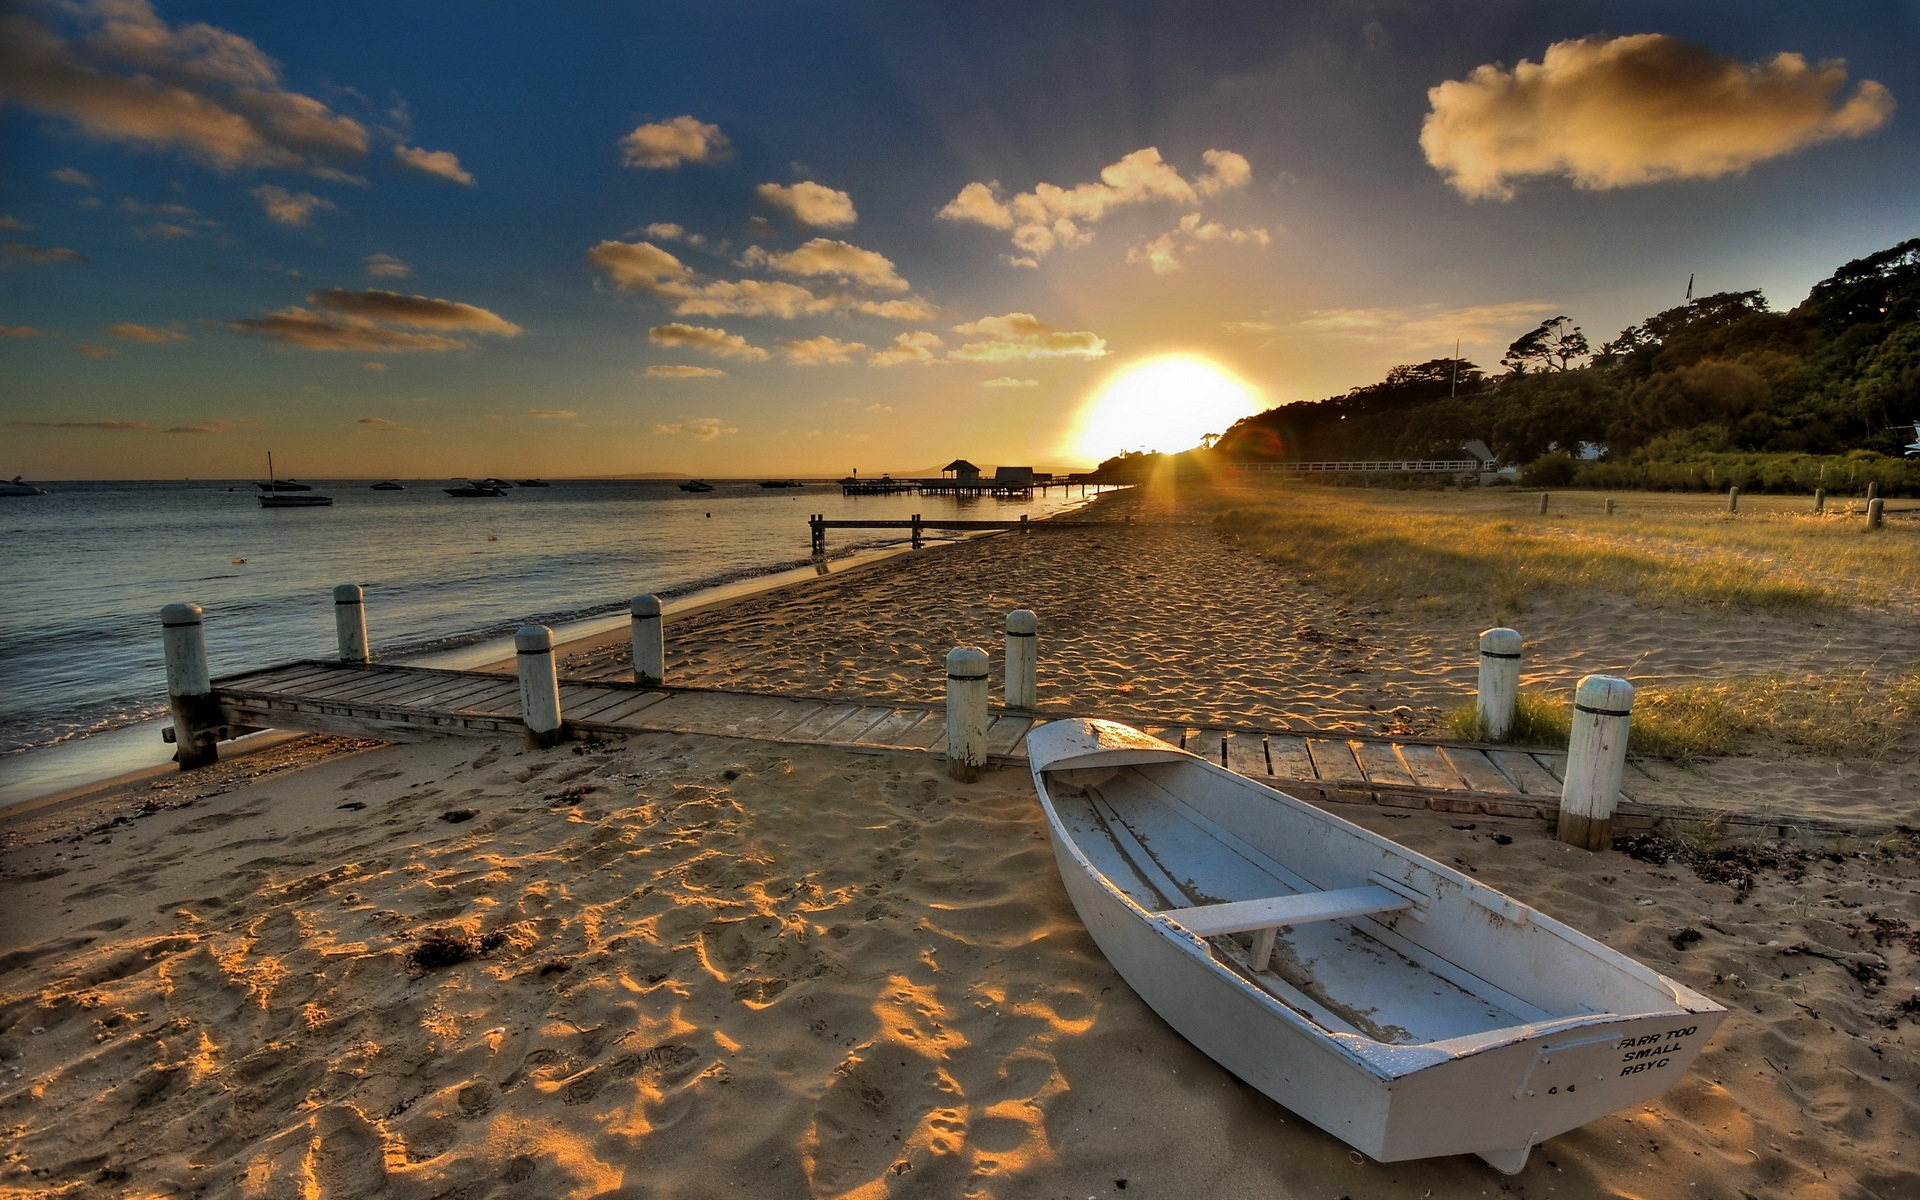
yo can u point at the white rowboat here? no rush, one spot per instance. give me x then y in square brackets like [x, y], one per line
[1398, 1004]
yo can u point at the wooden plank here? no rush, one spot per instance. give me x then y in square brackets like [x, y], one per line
[1005, 732]
[853, 730]
[630, 712]
[278, 679]
[1247, 755]
[604, 699]
[1430, 768]
[1241, 916]
[1381, 765]
[397, 689]
[817, 726]
[456, 691]
[1287, 757]
[896, 726]
[1527, 775]
[1334, 762]
[1478, 771]
[1173, 735]
[344, 684]
[1209, 744]
[318, 677]
[925, 732]
[1553, 764]
[502, 698]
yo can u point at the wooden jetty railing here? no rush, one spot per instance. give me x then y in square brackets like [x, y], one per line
[818, 524]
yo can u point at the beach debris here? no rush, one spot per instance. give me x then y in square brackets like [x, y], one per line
[237, 561]
[442, 949]
[352, 805]
[1686, 939]
[455, 816]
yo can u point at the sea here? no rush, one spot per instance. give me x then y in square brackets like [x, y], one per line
[90, 565]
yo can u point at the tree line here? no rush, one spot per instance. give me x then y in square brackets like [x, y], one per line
[1723, 378]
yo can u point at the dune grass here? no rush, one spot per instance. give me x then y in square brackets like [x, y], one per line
[1846, 714]
[1440, 551]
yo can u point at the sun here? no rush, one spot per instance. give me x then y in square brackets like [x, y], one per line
[1165, 404]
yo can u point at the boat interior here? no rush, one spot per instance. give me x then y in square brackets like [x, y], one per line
[1348, 929]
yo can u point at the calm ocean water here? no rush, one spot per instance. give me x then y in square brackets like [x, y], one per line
[90, 565]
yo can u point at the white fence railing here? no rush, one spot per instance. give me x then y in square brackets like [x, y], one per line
[1428, 466]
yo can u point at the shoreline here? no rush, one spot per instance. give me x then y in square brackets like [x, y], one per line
[78, 766]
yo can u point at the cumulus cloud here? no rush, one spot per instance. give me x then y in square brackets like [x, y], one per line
[678, 371]
[202, 427]
[80, 424]
[308, 330]
[420, 312]
[375, 366]
[645, 267]
[93, 351]
[1246, 327]
[815, 351]
[443, 163]
[921, 348]
[290, 208]
[21, 331]
[146, 335]
[13, 224]
[703, 429]
[383, 425]
[1008, 381]
[385, 266]
[1017, 336]
[1163, 253]
[670, 143]
[1615, 112]
[811, 204]
[552, 414]
[168, 231]
[71, 175]
[27, 252]
[121, 74]
[830, 258]
[717, 342]
[1051, 216]
[1422, 325]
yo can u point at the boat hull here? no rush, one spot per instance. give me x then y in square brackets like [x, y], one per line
[1495, 1093]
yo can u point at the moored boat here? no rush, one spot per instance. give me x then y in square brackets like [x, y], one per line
[20, 487]
[471, 488]
[695, 485]
[275, 493]
[391, 485]
[1403, 1007]
[531, 483]
[781, 483]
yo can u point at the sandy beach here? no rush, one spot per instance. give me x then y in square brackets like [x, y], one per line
[685, 966]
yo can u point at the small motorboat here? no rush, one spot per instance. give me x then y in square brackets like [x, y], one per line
[781, 483]
[531, 483]
[1401, 1006]
[275, 494]
[391, 485]
[471, 488]
[695, 485]
[20, 487]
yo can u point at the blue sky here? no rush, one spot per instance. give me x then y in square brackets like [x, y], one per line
[257, 193]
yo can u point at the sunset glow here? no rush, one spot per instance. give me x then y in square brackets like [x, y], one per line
[1166, 404]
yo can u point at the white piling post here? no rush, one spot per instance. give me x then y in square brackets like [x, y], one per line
[649, 641]
[1023, 658]
[1596, 761]
[1499, 680]
[189, 690]
[350, 623]
[1876, 512]
[1609, 505]
[539, 685]
[1543, 504]
[966, 713]
[1733, 499]
[1819, 501]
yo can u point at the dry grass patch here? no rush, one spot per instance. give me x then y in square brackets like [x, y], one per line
[1442, 551]
[1840, 715]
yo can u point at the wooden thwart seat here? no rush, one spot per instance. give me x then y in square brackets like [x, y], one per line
[1262, 917]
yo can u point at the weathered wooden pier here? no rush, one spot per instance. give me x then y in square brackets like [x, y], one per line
[1591, 791]
[917, 526]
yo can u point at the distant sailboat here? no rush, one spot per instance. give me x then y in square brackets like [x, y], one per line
[303, 497]
[20, 487]
[695, 485]
[391, 485]
[485, 487]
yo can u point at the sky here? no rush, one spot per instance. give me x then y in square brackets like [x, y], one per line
[735, 239]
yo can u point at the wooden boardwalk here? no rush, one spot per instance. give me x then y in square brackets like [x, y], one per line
[395, 703]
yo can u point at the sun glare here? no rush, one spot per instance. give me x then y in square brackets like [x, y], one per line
[1166, 404]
